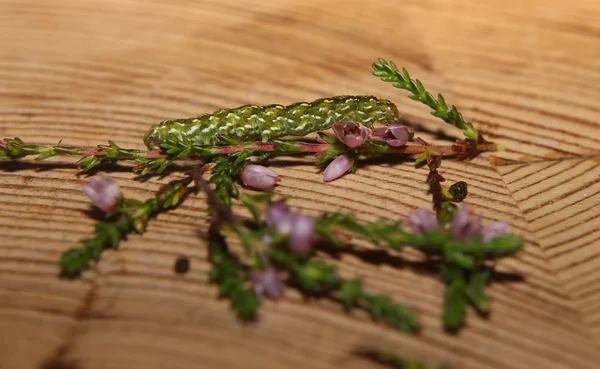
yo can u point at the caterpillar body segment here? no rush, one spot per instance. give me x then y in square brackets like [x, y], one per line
[265, 123]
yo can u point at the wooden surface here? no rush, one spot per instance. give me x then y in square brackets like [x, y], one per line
[526, 73]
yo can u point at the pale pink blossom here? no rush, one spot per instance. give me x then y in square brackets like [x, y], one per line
[394, 134]
[259, 177]
[337, 168]
[299, 228]
[103, 191]
[464, 225]
[422, 220]
[275, 212]
[351, 133]
[494, 230]
[302, 236]
[267, 283]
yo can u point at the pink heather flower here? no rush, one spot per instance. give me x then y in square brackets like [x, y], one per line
[351, 133]
[103, 191]
[422, 220]
[258, 177]
[337, 168]
[464, 226]
[302, 236]
[495, 230]
[394, 134]
[267, 283]
[275, 212]
[299, 228]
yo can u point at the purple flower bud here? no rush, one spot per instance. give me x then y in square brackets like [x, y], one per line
[275, 212]
[300, 228]
[103, 191]
[267, 283]
[337, 168]
[464, 226]
[258, 177]
[303, 233]
[495, 230]
[351, 133]
[422, 220]
[394, 134]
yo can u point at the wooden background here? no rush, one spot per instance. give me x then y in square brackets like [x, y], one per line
[526, 73]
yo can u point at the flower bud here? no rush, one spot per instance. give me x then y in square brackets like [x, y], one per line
[495, 230]
[337, 168]
[464, 226]
[103, 191]
[394, 134]
[422, 220]
[259, 177]
[302, 236]
[267, 283]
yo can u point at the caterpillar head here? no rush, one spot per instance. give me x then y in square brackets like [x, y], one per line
[151, 138]
[392, 114]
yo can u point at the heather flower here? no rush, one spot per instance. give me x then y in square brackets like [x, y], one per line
[422, 220]
[259, 177]
[302, 236]
[494, 230]
[337, 168]
[351, 133]
[299, 228]
[394, 134]
[103, 191]
[275, 212]
[464, 226]
[267, 283]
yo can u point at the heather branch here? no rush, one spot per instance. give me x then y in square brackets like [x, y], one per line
[389, 72]
[130, 217]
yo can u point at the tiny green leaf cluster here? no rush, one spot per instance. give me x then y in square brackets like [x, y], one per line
[231, 277]
[393, 359]
[389, 72]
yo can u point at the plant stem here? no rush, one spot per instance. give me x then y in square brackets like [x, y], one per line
[324, 147]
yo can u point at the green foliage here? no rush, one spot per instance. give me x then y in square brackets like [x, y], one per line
[462, 268]
[229, 274]
[131, 216]
[389, 72]
[224, 173]
[393, 359]
[320, 277]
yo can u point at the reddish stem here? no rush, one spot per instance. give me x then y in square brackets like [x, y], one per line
[323, 147]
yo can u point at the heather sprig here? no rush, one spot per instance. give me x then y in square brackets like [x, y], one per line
[318, 277]
[389, 72]
[280, 242]
[394, 359]
[463, 265]
[129, 216]
[147, 161]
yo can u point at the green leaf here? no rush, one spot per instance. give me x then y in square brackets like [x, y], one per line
[388, 72]
[475, 290]
[455, 305]
[350, 292]
[329, 154]
[378, 148]
[48, 154]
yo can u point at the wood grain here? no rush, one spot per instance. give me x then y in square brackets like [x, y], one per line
[525, 73]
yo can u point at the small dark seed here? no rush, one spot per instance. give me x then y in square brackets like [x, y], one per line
[182, 265]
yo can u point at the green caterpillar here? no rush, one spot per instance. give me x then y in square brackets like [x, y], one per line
[253, 123]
